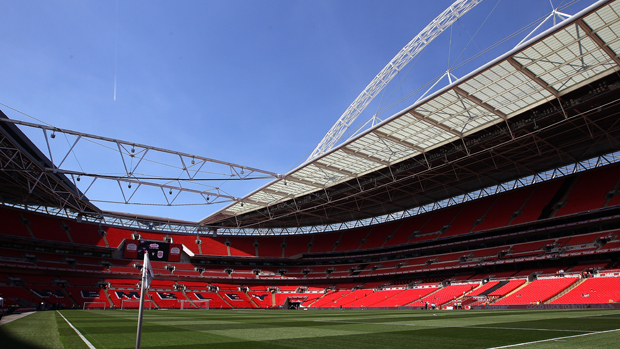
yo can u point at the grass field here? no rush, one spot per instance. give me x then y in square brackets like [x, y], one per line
[318, 329]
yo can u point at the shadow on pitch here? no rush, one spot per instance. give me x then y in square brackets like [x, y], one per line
[8, 340]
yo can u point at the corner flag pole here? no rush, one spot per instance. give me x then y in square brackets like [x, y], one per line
[147, 275]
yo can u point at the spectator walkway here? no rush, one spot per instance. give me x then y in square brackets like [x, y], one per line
[8, 318]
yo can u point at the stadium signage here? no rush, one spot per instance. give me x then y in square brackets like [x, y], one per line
[128, 295]
[90, 294]
[233, 297]
[260, 296]
[166, 295]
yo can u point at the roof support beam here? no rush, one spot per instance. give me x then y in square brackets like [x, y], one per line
[397, 140]
[365, 157]
[586, 28]
[478, 102]
[303, 181]
[278, 193]
[532, 76]
[337, 170]
[434, 123]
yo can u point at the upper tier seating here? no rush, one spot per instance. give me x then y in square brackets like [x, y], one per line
[12, 223]
[539, 200]
[405, 231]
[500, 214]
[46, 227]
[350, 240]
[441, 219]
[116, 236]
[379, 234]
[85, 234]
[214, 246]
[296, 244]
[188, 241]
[590, 190]
[269, 246]
[467, 218]
[242, 246]
[325, 242]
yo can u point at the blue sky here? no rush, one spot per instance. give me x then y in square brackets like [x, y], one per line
[251, 82]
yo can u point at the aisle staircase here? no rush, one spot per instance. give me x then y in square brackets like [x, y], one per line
[513, 291]
[565, 291]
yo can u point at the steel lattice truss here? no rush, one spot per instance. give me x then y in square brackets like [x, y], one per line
[383, 169]
[27, 181]
[137, 168]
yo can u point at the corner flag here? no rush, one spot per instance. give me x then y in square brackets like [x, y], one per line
[147, 271]
[147, 276]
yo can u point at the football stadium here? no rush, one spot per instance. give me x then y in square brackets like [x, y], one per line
[486, 214]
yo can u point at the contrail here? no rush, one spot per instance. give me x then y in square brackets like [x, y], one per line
[116, 49]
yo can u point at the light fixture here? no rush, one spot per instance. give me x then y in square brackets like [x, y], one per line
[78, 178]
[242, 204]
[170, 192]
[133, 149]
[193, 161]
[129, 185]
[53, 134]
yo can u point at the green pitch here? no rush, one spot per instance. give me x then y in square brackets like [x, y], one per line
[318, 329]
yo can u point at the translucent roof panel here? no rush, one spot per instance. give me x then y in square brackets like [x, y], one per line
[574, 53]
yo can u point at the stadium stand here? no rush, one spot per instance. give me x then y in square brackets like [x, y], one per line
[12, 223]
[46, 228]
[243, 247]
[537, 291]
[407, 229]
[115, 236]
[296, 244]
[467, 218]
[592, 290]
[270, 246]
[188, 241]
[214, 246]
[541, 202]
[441, 220]
[378, 235]
[369, 258]
[350, 240]
[502, 211]
[85, 234]
[590, 191]
[325, 242]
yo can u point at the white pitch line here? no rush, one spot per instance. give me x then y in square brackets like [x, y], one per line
[443, 326]
[90, 346]
[579, 317]
[553, 339]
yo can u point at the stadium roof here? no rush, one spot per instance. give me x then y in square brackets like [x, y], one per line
[407, 160]
[28, 176]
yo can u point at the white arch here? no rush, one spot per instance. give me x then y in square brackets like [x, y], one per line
[415, 46]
